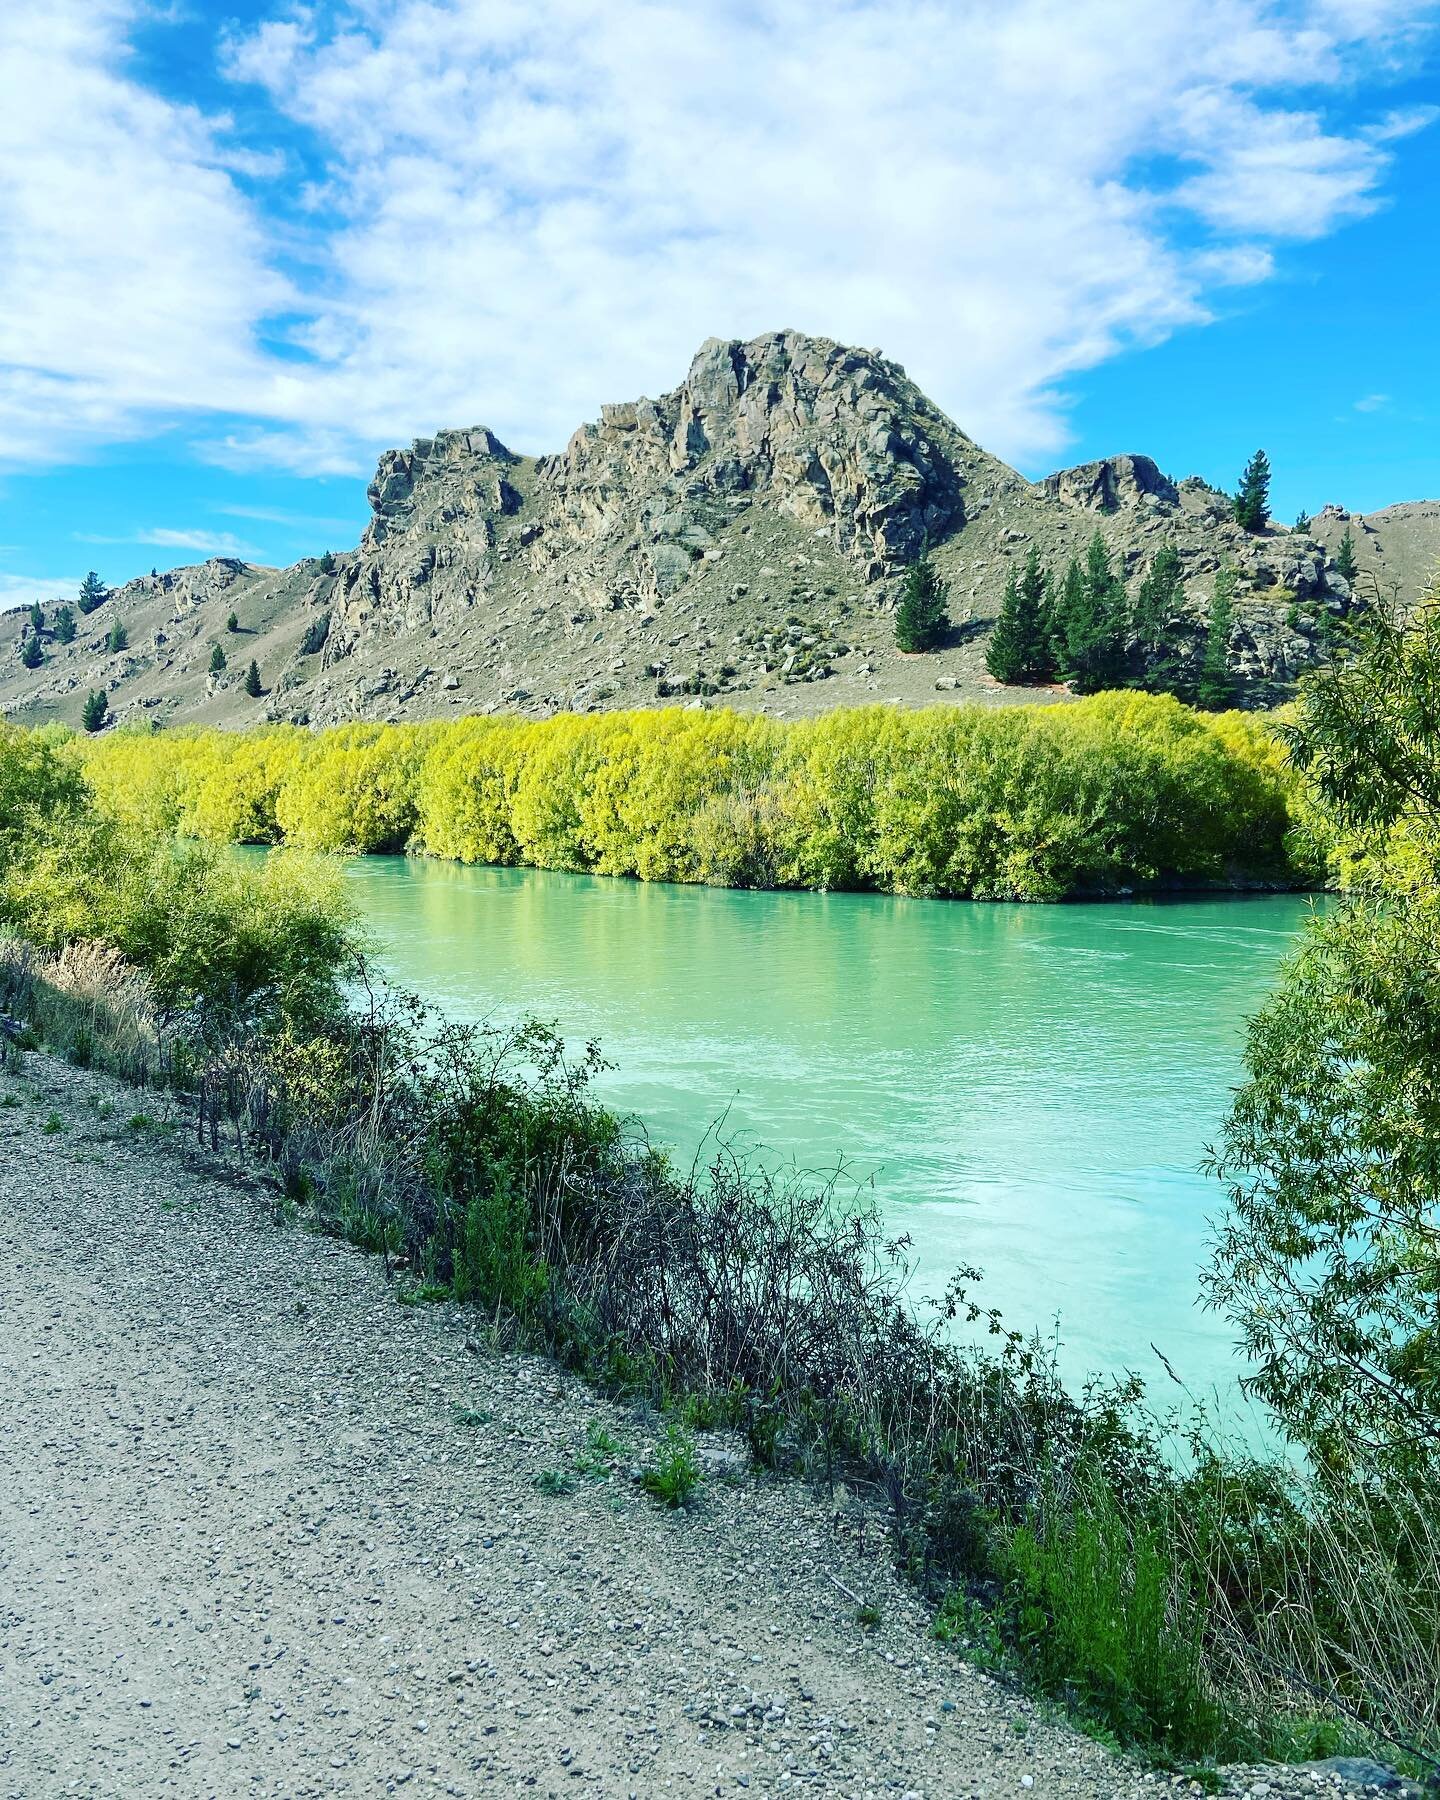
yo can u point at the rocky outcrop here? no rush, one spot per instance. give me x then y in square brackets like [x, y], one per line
[1112, 483]
[741, 537]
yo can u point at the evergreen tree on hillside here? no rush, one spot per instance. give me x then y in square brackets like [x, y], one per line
[327, 564]
[93, 713]
[233, 622]
[1345, 559]
[93, 593]
[32, 653]
[1252, 503]
[252, 680]
[118, 638]
[217, 661]
[921, 620]
[1158, 598]
[1215, 689]
[1019, 647]
[1092, 621]
[37, 617]
[1302, 522]
[65, 625]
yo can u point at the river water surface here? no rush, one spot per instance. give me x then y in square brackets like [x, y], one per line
[1028, 1088]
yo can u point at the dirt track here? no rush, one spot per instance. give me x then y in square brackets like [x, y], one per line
[265, 1531]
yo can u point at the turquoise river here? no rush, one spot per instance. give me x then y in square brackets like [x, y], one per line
[1028, 1088]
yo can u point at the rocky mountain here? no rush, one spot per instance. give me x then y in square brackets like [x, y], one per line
[738, 541]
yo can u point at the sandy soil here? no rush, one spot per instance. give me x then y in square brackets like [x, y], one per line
[265, 1531]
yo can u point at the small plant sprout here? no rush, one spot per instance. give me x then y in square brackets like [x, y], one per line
[675, 1474]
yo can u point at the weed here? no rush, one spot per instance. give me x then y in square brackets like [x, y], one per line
[53, 1124]
[554, 1481]
[675, 1474]
[423, 1293]
[869, 1617]
[471, 1416]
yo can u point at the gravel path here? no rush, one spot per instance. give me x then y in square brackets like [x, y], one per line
[264, 1531]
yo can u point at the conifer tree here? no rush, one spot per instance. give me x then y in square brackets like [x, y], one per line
[93, 593]
[93, 713]
[37, 616]
[119, 637]
[65, 625]
[233, 622]
[217, 661]
[1092, 621]
[32, 653]
[1158, 597]
[1302, 522]
[1252, 502]
[327, 564]
[252, 680]
[921, 619]
[1019, 647]
[1215, 689]
[1345, 558]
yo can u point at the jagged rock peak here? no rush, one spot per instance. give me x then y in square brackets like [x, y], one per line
[839, 437]
[470, 464]
[1112, 483]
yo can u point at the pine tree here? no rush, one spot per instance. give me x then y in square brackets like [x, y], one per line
[233, 622]
[1215, 689]
[327, 564]
[93, 593]
[921, 620]
[118, 638]
[1157, 620]
[1345, 559]
[217, 661]
[32, 653]
[93, 713]
[1158, 598]
[1019, 647]
[65, 625]
[1302, 522]
[37, 616]
[1252, 503]
[252, 680]
[1092, 620]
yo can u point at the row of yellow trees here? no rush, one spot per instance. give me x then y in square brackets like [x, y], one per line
[1017, 803]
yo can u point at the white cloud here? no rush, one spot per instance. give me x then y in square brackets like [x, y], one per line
[525, 209]
[25, 590]
[1372, 403]
[165, 537]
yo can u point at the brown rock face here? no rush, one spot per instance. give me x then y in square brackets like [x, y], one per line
[1112, 483]
[740, 537]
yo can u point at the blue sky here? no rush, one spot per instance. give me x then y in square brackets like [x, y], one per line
[245, 247]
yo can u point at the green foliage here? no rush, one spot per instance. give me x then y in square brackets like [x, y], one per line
[65, 625]
[1346, 562]
[93, 593]
[1013, 803]
[1303, 522]
[32, 652]
[555, 1482]
[1329, 1261]
[1092, 621]
[252, 680]
[96, 710]
[674, 1475]
[1251, 504]
[232, 623]
[922, 619]
[118, 637]
[1020, 647]
[217, 660]
[1215, 688]
[327, 564]
[1099, 1609]
[37, 616]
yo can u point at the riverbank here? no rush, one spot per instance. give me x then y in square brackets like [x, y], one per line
[1116, 793]
[274, 1532]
